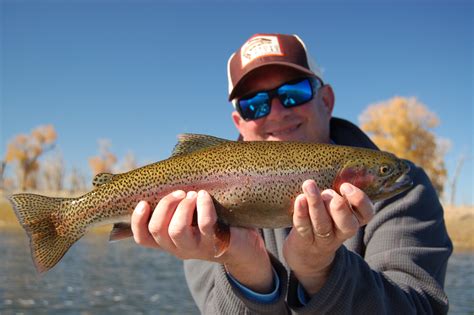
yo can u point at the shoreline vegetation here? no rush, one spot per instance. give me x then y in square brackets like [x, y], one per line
[459, 220]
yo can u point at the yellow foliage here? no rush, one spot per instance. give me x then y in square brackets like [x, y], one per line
[22, 139]
[402, 126]
[97, 165]
[105, 161]
[25, 151]
[49, 133]
[44, 134]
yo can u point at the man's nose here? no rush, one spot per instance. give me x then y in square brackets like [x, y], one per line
[278, 111]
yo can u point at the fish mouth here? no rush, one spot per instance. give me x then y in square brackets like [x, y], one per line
[401, 183]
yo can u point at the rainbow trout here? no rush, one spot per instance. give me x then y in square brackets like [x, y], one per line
[253, 184]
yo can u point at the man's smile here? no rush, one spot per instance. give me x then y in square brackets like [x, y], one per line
[285, 131]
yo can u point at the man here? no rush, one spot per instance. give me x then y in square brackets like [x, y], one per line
[343, 254]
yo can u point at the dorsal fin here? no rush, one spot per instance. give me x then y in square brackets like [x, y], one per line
[190, 142]
[101, 179]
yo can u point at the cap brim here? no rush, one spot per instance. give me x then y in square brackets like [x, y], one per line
[252, 70]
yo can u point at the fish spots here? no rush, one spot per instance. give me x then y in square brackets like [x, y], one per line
[253, 184]
[247, 178]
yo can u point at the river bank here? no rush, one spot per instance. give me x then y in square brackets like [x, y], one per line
[460, 225]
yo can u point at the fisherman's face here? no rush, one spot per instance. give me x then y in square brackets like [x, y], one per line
[308, 122]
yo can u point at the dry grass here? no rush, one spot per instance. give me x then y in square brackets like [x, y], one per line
[459, 222]
[460, 225]
[7, 217]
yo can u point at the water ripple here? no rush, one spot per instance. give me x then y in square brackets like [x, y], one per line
[96, 277]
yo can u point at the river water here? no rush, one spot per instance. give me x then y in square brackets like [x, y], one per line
[97, 277]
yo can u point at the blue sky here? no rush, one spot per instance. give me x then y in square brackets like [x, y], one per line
[140, 72]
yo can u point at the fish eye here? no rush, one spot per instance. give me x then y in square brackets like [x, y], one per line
[385, 170]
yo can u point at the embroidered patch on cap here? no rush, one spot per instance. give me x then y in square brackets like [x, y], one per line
[260, 46]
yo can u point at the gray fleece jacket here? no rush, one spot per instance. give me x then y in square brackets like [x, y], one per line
[396, 264]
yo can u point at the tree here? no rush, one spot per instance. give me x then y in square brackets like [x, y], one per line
[77, 181]
[128, 163]
[105, 161]
[3, 165]
[455, 178]
[25, 149]
[403, 126]
[52, 171]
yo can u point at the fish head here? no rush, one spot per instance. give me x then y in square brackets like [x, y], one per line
[380, 175]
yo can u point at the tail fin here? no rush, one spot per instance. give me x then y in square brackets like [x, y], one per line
[40, 217]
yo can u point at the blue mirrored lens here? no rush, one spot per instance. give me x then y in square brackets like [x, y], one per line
[295, 94]
[255, 107]
[289, 94]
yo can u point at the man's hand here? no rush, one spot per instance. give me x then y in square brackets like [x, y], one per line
[169, 228]
[322, 222]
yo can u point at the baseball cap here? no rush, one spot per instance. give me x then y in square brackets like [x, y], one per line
[269, 49]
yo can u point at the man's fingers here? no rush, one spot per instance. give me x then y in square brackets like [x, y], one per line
[139, 223]
[362, 206]
[161, 217]
[320, 219]
[206, 213]
[301, 219]
[180, 229]
[345, 222]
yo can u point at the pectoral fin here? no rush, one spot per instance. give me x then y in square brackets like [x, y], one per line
[221, 231]
[221, 238]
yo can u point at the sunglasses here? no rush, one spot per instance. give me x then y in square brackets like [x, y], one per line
[290, 94]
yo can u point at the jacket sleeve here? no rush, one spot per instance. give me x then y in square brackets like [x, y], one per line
[402, 267]
[214, 294]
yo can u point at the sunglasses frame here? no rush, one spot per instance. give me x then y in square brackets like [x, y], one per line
[315, 82]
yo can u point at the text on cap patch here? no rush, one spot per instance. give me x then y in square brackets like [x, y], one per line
[260, 46]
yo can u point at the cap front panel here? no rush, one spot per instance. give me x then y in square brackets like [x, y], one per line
[260, 46]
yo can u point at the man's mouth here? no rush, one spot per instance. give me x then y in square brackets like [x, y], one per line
[284, 132]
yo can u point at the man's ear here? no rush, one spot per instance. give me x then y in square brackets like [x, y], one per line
[327, 95]
[237, 120]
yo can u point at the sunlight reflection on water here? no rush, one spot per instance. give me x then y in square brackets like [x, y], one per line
[94, 277]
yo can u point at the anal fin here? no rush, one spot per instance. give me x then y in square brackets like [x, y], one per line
[120, 231]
